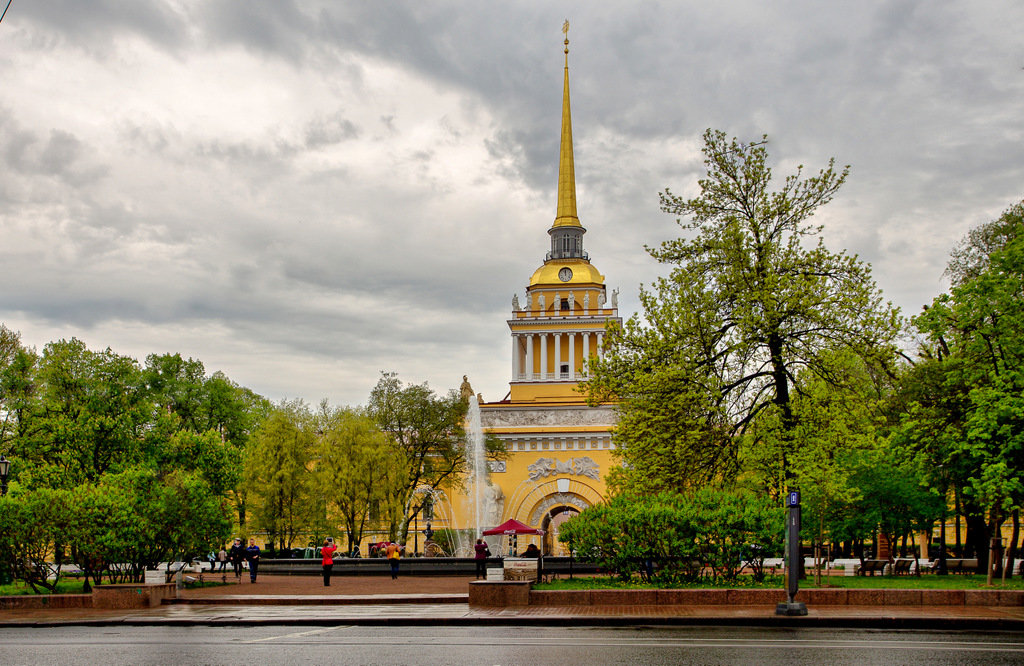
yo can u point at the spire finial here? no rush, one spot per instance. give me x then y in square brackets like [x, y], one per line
[565, 31]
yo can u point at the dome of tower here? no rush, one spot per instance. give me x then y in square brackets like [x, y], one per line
[582, 272]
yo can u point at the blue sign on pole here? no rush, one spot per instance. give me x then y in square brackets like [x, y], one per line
[794, 498]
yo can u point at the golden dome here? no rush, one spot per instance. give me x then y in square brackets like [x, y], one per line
[582, 273]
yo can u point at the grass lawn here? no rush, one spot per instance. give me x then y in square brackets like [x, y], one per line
[74, 586]
[925, 582]
[17, 588]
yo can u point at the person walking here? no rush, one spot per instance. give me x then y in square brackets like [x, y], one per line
[237, 556]
[222, 559]
[482, 553]
[393, 553]
[252, 553]
[328, 559]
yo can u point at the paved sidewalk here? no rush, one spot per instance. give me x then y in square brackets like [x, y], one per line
[283, 600]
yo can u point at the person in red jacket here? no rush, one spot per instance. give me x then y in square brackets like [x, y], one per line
[482, 553]
[328, 552]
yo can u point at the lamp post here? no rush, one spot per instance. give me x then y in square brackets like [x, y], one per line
[5, 467]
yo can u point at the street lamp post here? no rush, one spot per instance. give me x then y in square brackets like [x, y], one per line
[5, 467]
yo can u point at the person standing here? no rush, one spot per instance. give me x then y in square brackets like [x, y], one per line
[328, 559]
[222, 559]
[482, 553]
[252, 553]
[393, 553]
[237, 556]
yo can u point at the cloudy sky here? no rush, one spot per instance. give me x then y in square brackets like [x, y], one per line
[302, 194]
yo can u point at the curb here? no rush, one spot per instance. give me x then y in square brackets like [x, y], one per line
[341, 600]
[907, 623]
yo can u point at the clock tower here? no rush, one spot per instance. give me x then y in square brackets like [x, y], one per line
[559, 447]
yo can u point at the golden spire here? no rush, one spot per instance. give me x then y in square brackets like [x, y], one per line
[566, 212]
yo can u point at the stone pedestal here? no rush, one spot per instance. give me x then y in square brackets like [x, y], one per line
[130, 595]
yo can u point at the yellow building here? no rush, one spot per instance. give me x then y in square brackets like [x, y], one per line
[559, 448]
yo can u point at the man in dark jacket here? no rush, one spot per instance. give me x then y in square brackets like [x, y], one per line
[237, 555]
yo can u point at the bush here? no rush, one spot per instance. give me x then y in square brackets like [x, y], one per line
[671, 537]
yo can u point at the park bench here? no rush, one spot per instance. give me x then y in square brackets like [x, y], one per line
[869, 567]
[903, 566]
[962, 566]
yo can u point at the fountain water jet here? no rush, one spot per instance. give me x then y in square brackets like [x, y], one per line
[477, 463]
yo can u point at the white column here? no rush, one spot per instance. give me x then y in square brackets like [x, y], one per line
[558, 355]
[529, 357]
[572, 356]
[543, 355]
[597, 352]
[515, 357]
[586, 347]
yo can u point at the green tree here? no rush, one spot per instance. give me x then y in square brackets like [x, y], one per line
[91, 417]
[979, 326]
[278, 473]
[33, 528]
[430, 431]
[18, 393]
[359, 468]
[749, 308]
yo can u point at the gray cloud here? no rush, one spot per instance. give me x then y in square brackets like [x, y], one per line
[309, 192]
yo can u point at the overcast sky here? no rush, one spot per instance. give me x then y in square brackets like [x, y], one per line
[303, 194]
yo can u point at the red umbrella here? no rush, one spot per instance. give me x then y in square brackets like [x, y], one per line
[512, 526]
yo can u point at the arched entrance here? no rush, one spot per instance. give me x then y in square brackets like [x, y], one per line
[551, 524]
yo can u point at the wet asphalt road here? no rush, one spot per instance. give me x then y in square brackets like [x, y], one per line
[346, 644]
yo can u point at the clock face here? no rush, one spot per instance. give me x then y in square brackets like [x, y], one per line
[565, 274]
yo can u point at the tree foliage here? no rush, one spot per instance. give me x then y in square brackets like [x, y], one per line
[278, 464]
[974, 338]
[359, 469]
[430, 431]
[670, 536]
[750, 310]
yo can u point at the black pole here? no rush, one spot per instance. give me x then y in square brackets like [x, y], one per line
[791, 606]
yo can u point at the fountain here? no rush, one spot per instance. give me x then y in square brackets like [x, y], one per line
[476, 462]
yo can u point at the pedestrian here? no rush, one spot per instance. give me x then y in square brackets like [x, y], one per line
[222, 559]
[531, 551]
[482, 553]
[328, 553]
[237, 556]
[393, 553]
[252, 553]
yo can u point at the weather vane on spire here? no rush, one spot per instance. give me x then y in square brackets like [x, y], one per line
[565, 31]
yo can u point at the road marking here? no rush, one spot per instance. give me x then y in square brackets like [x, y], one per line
[299, 634]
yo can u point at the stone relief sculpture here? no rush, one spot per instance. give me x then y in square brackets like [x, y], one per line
[603, 415]
[545, 467]
[540, 302]
[586, 301]
[600, 300]
[572, 300]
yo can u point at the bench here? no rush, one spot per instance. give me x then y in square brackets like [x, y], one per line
[869, 567]
[962, 566]
[903, 566]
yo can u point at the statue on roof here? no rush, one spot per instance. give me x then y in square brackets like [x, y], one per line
[465, 389]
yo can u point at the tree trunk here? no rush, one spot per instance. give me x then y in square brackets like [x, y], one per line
[1011, 548]
[956, 514]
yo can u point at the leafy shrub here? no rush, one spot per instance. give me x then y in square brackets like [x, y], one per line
[670, 537]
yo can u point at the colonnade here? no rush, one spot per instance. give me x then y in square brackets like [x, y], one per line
[523, 354]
